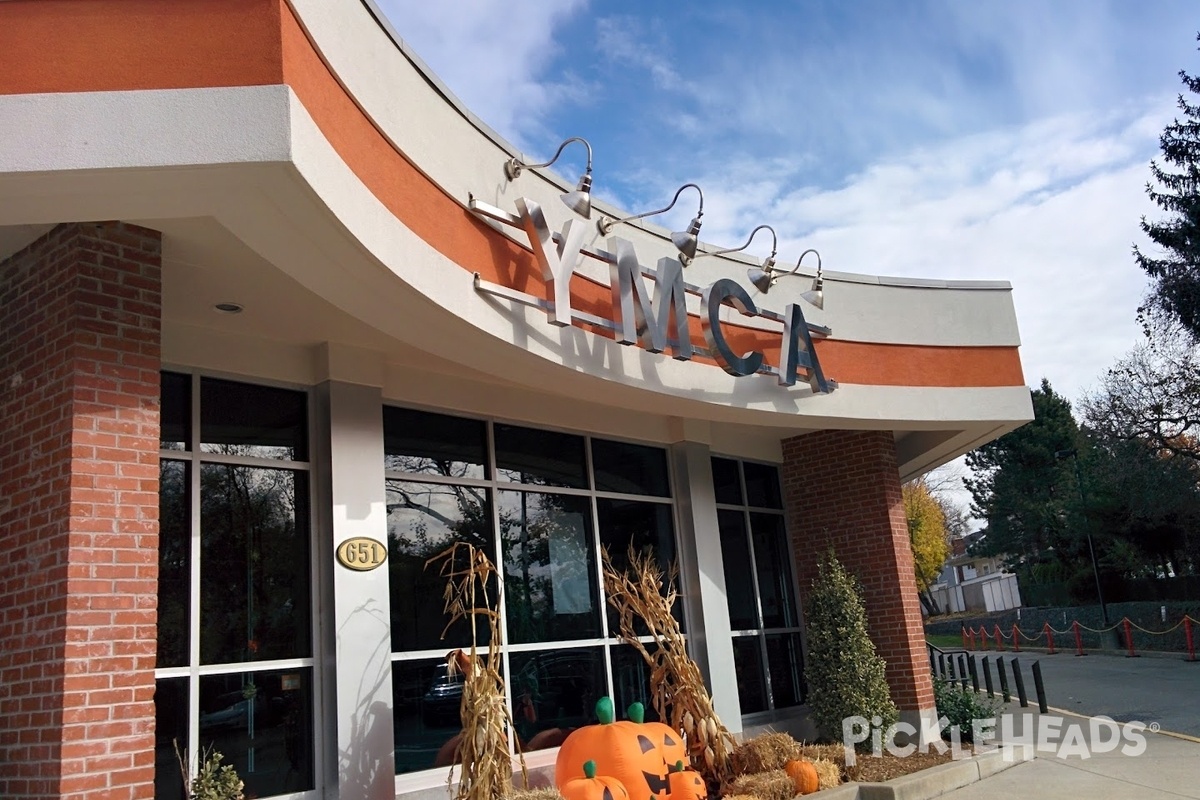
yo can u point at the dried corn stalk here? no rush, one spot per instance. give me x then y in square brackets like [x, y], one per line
[679, 694]
[486, 770]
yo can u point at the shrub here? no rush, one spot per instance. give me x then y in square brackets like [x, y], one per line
[962, 707]
[213, 781]
[844, 673]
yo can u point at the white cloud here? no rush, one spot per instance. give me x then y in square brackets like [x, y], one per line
[1052, 207]
[493, 55]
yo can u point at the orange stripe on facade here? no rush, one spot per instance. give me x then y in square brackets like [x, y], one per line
[114, 45]
[98, 45]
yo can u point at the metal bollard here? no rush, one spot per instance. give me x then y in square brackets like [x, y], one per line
[987, 677]
[942, 666]
[962, 670]
[1003, 675]
[974, 673]
[1019, 679]
[1039, 687]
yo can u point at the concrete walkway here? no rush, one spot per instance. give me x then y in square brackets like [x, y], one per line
[1169, 768]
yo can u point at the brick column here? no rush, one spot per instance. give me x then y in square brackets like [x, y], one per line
[79, 361]
[842, 490]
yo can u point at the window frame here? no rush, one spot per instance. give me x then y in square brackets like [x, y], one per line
[494, 485]
[195, 457]
[760, 632]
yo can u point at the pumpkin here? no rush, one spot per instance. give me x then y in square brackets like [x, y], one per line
[636, 753]
[803, 775]
[686, 784]
[589, 787]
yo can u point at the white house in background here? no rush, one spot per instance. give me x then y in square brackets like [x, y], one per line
[974, 582]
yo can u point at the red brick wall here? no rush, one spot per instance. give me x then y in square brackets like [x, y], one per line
[79, 360]
[842, 490]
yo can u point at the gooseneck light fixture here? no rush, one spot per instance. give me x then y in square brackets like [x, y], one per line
[580, 200]
[685, 241]
[767, 266]
[763, 279]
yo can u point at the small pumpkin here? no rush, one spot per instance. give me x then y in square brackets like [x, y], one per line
[589, 787]
[803, 775]
[686, 784]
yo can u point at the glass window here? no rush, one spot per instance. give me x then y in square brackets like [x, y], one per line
[747, 663]
[554, 691]
[250, 541]
[262, 723]
[762, 485]
[545, 458]
[174, 563]
[424, 519]
[773, 558]
[175, 411]
[170, 727]
[629, 468]
[785, 662]
[727, 481]
[631, 680]
[242, 419]
[550, 583]
[735, 557]
[435, 444]
[545, 538]
[425, 720]
[625, 523]
[755, 544]
[254, 572]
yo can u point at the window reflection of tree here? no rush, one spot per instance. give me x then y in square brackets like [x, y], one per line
[254, 592]
[547, 543]
[423, 520]
[174, 560]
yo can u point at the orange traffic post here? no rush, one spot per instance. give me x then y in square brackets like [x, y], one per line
[1046, 629]
[1078, 639]
[1016, 638]
[964, 636]
[1128, 637]
[999, 639]
[1187, 631]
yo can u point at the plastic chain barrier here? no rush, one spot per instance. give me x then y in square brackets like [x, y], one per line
[1076, 627]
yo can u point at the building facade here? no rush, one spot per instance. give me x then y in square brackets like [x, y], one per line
[277, 328]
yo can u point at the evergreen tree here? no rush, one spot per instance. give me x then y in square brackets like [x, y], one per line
[844, 673]
[1024, 488]
[1175, 290]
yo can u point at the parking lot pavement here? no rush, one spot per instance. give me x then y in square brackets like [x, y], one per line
[1163, 690]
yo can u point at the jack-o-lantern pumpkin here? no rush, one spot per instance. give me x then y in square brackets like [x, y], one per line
[589, 787]
[636, 753]
[686, 784]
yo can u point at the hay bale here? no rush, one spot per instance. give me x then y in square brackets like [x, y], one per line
[547, 793]
[770, 785]
[764, 752]
[829, 774]
[739, 797]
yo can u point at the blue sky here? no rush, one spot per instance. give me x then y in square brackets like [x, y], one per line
[969, 139]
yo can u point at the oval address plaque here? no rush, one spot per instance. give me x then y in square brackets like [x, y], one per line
[361, 553]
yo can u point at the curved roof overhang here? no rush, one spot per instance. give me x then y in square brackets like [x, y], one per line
[308, 133]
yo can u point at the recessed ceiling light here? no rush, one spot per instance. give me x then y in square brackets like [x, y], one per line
[229, 308]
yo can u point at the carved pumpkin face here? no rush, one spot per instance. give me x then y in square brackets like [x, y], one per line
[660, 747]
[636, 753]
[686, 784]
